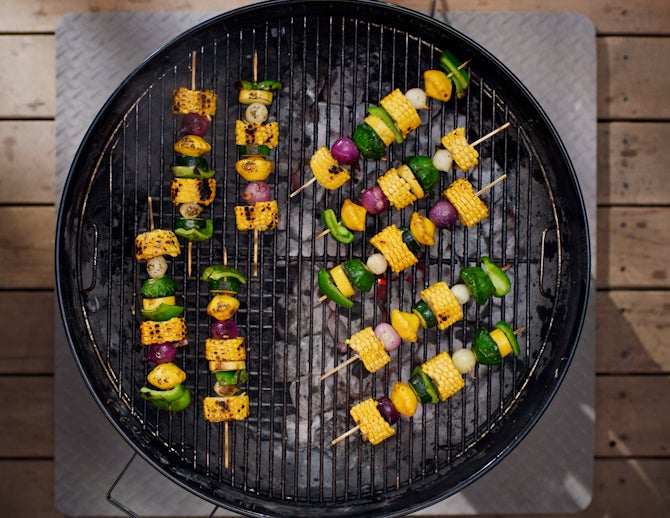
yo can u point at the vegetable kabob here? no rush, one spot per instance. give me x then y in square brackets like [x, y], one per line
[435, 380]
[439, 306]
[392, 120]
[164, 329]
[255, 138]
[225, 350]
[402, 186]
[193, 186]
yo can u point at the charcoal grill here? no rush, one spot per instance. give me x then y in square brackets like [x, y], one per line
[281, 458]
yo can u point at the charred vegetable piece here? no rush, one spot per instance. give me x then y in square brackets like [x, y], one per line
[231, 377]
[166, 376]
[172, 330]
[485, 348]
[174, 406]
[424, 170]
[222, 307]
[368, 142]
[380, 112]
[194, 229]
[353, 215]
[164, 395]
[338, 231]
[162, 312]
[159, 287]
[156, 242]
[192, 145]
[426, 316]
[227, 408]
[326, 170]
[437, 85]
[330, 290]
[479, 284]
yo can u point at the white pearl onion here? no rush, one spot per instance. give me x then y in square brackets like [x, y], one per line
[461, 293]
[442, 160]
[464, 360]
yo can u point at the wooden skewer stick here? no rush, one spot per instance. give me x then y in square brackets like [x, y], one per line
[345, 435]
[322, 233]
[255, 252]
[460, 67]
[490, 134]
[340, 366]
[225, 445]
[151, 213]
[189, 247]
[303, 186]
[517, 331]
[490, 186]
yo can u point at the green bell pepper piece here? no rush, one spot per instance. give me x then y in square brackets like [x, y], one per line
[167, 396]
[511, 336]
[174, 406]
[423, 386]
[459, 77]
[195, 229]
[162, 312]
[478, 283]
[380, 112]
[425, 171]
[261, 150]
[427, 318]
[337, 230]
[231, 377]
[498, 277]
[243, 84]
[485, 348]
[330, 290]
[359, 274]
[368, 142]
[192, 161]
[268, 84]
[159, 287]
[218, 272]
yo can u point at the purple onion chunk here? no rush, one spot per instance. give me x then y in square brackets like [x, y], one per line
[344, 150]
[224, 329]
[374, 200]
[443, 214]
[161, 353]
[387, 410]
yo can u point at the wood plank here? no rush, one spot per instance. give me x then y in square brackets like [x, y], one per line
[27, 421]
[633, 78]
[621, 489]
[632, 247]
[632, 163]
[617, 16]
[631, 330]
[27, 176]
[27, 247]
[630, 416]
[27, 320]
[30, 89]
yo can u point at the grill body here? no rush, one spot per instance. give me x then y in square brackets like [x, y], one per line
[333, 59]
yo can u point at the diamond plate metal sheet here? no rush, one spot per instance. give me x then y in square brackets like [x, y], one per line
[554, 55]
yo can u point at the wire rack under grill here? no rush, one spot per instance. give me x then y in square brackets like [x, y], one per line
[331, 68]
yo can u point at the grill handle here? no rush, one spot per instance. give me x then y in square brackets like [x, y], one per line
[543, 259]
[94, 259]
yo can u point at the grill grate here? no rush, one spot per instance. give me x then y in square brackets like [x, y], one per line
[331, 66]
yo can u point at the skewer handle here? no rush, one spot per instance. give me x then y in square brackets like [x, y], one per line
[460, 67]
[303, 186]
[345, 435]
[340, 366]
[490, 134]
[151, 213]
[490, 186]
[322, 233]
[225, 445]
[519, 330]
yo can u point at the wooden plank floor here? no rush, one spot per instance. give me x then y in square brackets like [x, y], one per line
[632, 450]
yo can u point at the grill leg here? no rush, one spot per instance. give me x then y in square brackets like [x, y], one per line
[111, 499]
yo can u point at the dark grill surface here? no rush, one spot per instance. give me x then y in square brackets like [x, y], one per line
[333, 60]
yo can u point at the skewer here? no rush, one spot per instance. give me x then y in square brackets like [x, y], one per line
[490, 186]
[151, 213]
[340, 366]
[225, 423]
[190, 243]
[490, 134]
[353, 430]
[303, 186]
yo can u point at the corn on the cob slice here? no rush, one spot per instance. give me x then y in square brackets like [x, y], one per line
[389, 242]
[248, 96]
[464, 154]
[372, 425]
[172, 330]
[406, 173]
[437, 85]
[156, 242]
[254, 168]
[443, 303]
[369, 348]
[226, 408]
[226, 350]
[380, 128]
[187, 101]
[260, 216]
[256, 133]
[444, 374]
[326, 170]
[193, 190]
[471, 210]
[402, 112]
[396, 189]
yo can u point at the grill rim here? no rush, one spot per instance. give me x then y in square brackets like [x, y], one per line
[66, 219]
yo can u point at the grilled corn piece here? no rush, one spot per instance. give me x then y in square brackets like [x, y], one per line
[187, 101]
[254, 168]
[193, 190]
[471, 210]
[369, 348]
[396, 189]
[443, 303]
[249, 95]
[256, 133]
[156, 242]
[172, 330]
[372, 425]
[227, 408]
[326, 170]
[228, 350]
[444, 374]
[380, 128]
[465, 156]
[402, 112]
[389, 242]
[437, 85]
[260, 216]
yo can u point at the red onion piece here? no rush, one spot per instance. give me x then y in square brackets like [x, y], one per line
[345, 151]
[161, 353]
[224, 329]
[388, 336]
[387, 410]
[256, 192]
[195, 124]
[443, 214]
[374, 200]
